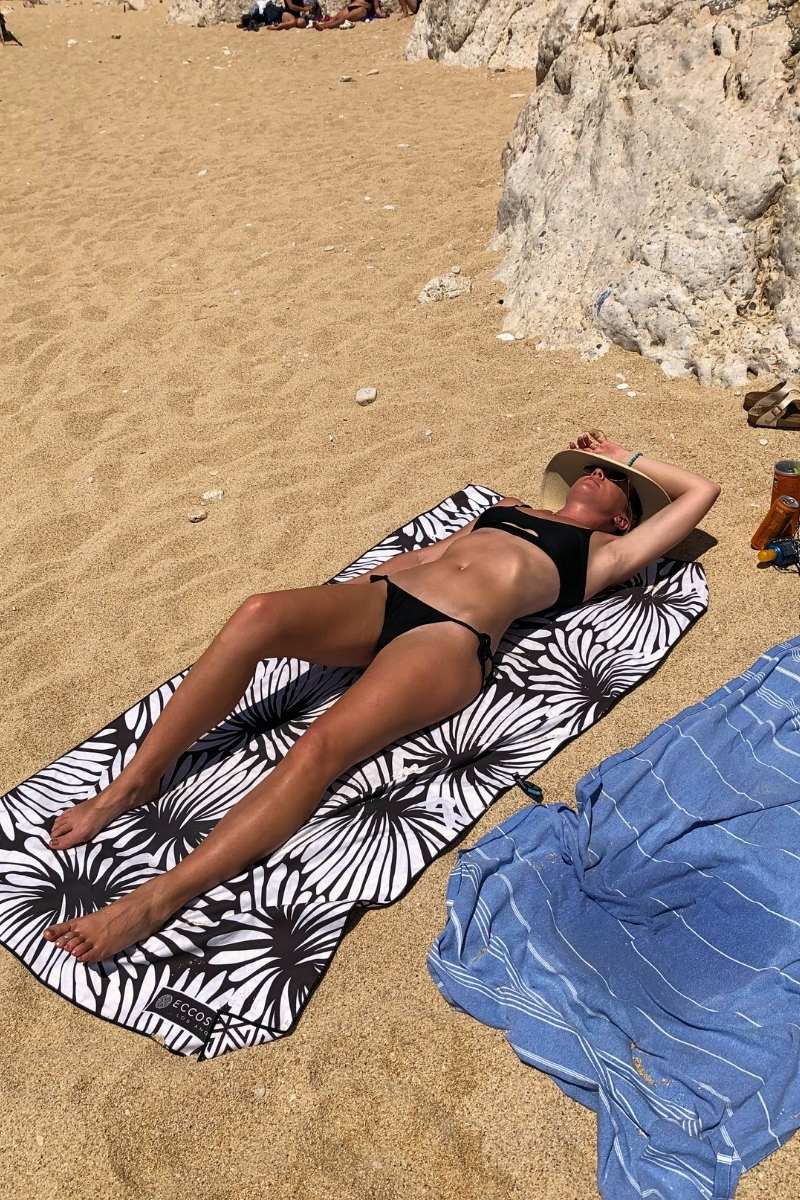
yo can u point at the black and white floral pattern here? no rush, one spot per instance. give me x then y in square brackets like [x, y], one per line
[253, 949]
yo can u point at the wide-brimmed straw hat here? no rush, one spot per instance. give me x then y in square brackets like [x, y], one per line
[567, 466]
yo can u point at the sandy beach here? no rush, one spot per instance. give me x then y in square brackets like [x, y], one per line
[209, 243]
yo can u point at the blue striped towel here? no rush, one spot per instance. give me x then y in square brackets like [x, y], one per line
[644, 950]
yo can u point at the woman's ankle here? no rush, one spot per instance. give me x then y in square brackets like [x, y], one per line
[127, 791]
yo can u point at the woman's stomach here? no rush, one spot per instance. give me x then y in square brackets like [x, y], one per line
[486, 580]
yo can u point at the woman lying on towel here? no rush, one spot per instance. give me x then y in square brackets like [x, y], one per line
[427, 646]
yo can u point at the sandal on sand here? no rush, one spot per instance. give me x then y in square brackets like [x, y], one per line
[766, 399]
[783, 415]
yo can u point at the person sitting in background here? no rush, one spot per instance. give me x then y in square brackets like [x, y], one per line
[354, 10]
[289, 14]
[409, 8]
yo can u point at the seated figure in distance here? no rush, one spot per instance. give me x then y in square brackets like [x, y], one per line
[354, 10]
[289, 14]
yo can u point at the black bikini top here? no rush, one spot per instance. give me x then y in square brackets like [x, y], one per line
[567, 546]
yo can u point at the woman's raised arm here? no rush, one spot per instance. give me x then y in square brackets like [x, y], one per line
[691, 498]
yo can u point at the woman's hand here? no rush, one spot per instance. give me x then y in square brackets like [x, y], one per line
[596, 442]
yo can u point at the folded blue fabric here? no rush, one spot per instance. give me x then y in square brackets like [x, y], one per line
[644, 950]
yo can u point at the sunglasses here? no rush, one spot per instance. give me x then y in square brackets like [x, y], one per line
[618, 477]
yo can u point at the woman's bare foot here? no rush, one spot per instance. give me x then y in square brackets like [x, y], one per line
[109, 930]
[81, 822]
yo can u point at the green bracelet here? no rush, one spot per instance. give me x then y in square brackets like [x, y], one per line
[633, 458]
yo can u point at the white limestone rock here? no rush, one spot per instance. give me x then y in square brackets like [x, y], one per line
[471, 33]
[449, 286]
[205, 12]
[652, 181]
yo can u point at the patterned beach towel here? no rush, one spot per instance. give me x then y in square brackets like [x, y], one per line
[645, 951]
[237, 966]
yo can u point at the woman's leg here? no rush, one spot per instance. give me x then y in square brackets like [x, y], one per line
[421, 677]
[336, 20]
[288, 21]
[337, 626]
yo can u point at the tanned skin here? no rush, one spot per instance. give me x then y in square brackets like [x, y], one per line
[486, 577]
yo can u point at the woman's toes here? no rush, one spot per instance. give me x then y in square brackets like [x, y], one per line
[65, 839]
[68, 942]
[56, 931]
[88, 954]
[58, 832]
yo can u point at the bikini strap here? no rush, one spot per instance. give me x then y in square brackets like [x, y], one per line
[484, 646]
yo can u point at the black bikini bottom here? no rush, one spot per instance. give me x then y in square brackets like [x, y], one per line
[404, 611]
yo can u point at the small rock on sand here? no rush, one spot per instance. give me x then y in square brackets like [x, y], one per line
[197, 514]
[506, 337]
[345, 79]
[211, 494]
[374, 71]
[366, 395]
[327, 249]
[445, 287]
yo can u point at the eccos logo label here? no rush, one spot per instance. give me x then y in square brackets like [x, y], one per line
[185, 1011]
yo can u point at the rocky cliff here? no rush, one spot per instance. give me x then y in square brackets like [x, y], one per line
[205, 12]
[652, 181]
[471, 33]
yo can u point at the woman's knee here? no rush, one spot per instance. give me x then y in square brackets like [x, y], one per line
[261, 606]
[321, 751]
[258, 617]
